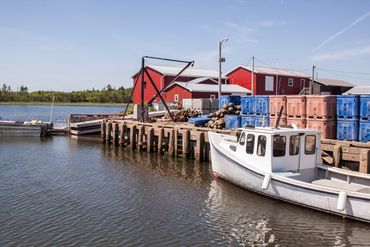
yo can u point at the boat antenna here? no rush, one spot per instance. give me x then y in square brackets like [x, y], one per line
[279, 116]
[51, 110]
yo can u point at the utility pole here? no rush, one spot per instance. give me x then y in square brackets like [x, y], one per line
[220, 61]
[253, 75]
[313, 77]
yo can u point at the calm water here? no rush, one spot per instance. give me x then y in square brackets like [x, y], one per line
[60, 191]
[59, 116]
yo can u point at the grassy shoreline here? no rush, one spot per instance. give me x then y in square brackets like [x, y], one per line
[63, 103]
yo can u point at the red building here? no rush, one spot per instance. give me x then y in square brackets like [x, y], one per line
[163, 75]
[269, 81]
[201, 88]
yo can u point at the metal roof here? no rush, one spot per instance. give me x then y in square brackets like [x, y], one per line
[359, 90]
[336, 83]
[191, 72]
[271, 71]
[211, 88]
[202, 79]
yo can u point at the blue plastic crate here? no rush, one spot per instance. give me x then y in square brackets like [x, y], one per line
[364, 135]
[347, 130]
[247, 120]
[199, 121]
[225, 99]
[262, 121]
[247, 104]
[261, 105]
[365, 107]
[348, 106]
[232, 121]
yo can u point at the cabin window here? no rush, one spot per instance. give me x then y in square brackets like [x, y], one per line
[261, 145]
[294, 145]
[279, 146]
[242, 139]
[310, 144]
[250, 144]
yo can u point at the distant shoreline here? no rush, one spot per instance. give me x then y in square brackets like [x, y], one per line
[63, 103]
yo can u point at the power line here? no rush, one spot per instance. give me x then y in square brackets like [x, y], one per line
[340, 74]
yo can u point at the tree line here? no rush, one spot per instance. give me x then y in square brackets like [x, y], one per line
[108, 94]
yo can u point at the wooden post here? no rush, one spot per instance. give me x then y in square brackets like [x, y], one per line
[160, 140]
[133, 137]
[141, 137]
[171, 142]
[109, 132]
[199, 150]
[186, 143]
[115, 133]
[337, 154]
[103, 131]
[176, 142]
[365, 160]
[150, 140]
[123, 128]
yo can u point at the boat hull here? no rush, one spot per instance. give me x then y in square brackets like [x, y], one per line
[286, 189]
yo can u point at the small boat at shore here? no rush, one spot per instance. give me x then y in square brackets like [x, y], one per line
[285, 164]
[22, 129]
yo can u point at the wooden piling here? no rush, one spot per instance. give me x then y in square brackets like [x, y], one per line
[108, 134]
[171, 142]
[103, 131]
[365, 160]
[115, 133]
[133, 137]
[160, 140]
[150, 140]
[199, 150]
[186, 143]
[122, 134]
[141, 137]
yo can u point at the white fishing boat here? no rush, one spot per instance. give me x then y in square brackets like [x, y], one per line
[285, 163]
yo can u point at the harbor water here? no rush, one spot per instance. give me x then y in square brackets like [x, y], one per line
[58, 191]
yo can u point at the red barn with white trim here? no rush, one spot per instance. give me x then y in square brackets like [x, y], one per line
[269, 81]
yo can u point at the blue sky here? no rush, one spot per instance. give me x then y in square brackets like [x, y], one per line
[72, 45]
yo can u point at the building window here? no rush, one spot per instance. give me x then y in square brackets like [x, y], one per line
[303, 82]
[176, 98]
[290, 82]
[269, 83]
[212, 96]
[250, 144]
[261, 145]
[279, 146]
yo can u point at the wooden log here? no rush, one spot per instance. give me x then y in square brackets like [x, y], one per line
[365, 160]
[115, 133]
[160, 140]
[186, 143]
[141, 137]
[337, 154]
[171, 142]
[199, 150]
[103, 131]
[122, 135]
[150, 140]
[133, 137]
[109, 132]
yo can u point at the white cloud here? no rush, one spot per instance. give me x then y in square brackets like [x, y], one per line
[336, 35]
[343, 54]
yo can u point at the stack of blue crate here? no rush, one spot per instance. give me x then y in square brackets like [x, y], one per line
[232, 121]
[347, 117]
[364, 133]
[255, 110]
[226, 99]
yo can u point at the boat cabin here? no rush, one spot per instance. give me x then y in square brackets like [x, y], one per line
[290, 152]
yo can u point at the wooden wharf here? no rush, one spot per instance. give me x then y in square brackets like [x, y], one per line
[187, 141]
